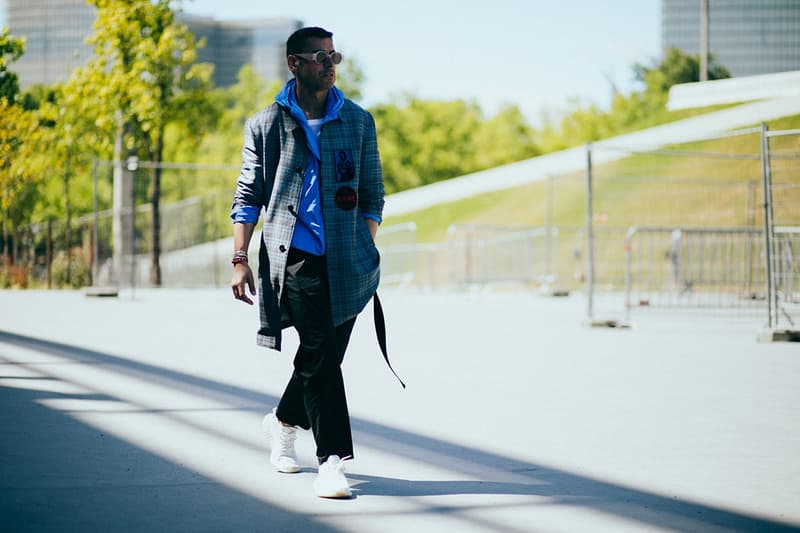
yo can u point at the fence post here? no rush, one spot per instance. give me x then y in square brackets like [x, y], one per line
[216, 258]
[752, 187]
[96, 221]
[589, 237]
[49, 255]
[549, 270]
[628, 271]
[768, 228]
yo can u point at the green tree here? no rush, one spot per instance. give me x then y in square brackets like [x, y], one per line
[677, 67]
[21, 168]
[142, 77]
[70, 143]
[11, 49]
[425, 141]
[350, 78]
[637, 110]
[504, 138]
[235, 104]
[19, 174]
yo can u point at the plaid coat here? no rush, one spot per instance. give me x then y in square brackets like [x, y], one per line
[273, 167]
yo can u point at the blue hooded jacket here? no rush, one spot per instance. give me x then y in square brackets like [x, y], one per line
[309, 234]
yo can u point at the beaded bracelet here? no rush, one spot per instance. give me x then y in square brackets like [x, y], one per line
[239, 257]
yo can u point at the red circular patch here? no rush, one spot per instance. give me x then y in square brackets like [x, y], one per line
[346, 198]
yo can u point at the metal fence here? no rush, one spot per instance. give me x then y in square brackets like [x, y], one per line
[52, 254]
[712, 223]
[694, 267]
[781, 172]
[397, 245]
[496, 255]
[113, 245]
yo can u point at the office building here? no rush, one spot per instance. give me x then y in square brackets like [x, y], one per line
[748, 37]
[56, 32]
[232, 44]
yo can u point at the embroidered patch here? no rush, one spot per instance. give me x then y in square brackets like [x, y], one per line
[346, 198]
[345, 169]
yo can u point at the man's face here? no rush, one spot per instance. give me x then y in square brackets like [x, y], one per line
[315, 76]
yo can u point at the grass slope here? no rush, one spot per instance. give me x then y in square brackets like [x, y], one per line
[710, 183]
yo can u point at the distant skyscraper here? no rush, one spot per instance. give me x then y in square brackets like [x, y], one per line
[748, 37]
[56, 31]
[232, 44]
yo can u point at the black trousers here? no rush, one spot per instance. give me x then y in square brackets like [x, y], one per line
[315, 397]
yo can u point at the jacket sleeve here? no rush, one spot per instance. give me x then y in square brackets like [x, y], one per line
[249, 196]
[370, 183]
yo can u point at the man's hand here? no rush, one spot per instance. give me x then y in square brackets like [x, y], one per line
[243, 276]
[373, 227]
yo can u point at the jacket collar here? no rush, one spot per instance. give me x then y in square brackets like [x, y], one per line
[292, 113]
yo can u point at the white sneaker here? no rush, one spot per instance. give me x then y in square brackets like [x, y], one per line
[281, 444]
[330, 482]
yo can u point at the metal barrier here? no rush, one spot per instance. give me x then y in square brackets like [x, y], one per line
[397, 245]
[501, 254]
[700, 237]
[708, 191]
[781, 179]
[694, 267]
[787, 278]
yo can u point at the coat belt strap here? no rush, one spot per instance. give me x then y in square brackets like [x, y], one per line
[380, 331]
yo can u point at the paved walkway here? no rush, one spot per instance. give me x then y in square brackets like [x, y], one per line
[142, 414]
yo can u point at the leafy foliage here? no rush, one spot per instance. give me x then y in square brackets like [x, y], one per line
[144, 94]
[21, 165]
[11, 49]
[425, 141]
[638, 110]
[350, 77]
[677, 67]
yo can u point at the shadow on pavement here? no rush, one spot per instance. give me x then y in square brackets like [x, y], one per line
[58, 474]
[195, 500]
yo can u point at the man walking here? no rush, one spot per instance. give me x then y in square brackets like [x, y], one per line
[310, 160]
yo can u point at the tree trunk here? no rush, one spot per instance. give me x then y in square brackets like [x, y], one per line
[155, 264]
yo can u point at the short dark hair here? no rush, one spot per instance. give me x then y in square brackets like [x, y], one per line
[296, 42]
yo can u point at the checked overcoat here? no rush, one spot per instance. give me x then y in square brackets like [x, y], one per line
[274, 159]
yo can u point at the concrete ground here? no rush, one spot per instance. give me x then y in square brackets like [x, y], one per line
[142, 413]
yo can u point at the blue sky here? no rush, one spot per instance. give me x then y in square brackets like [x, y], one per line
[534, 53]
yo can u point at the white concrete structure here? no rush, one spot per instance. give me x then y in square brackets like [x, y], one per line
[574, 159]
[734, 90]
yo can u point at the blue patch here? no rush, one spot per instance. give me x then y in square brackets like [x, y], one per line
[345, 169]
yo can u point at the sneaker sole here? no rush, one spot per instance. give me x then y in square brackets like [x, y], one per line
[338, 495]
[285, 470]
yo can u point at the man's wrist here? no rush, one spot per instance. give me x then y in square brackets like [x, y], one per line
[239, 257]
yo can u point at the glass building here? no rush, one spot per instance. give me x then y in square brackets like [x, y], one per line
[231, 44]
[54, 37]
[55, 32]
[748, 37]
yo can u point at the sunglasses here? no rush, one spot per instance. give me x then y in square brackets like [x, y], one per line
[321, 56]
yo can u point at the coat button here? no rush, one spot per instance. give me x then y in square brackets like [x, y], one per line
[282, 248]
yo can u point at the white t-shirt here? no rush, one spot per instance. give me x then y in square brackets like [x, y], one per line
[316, 125]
